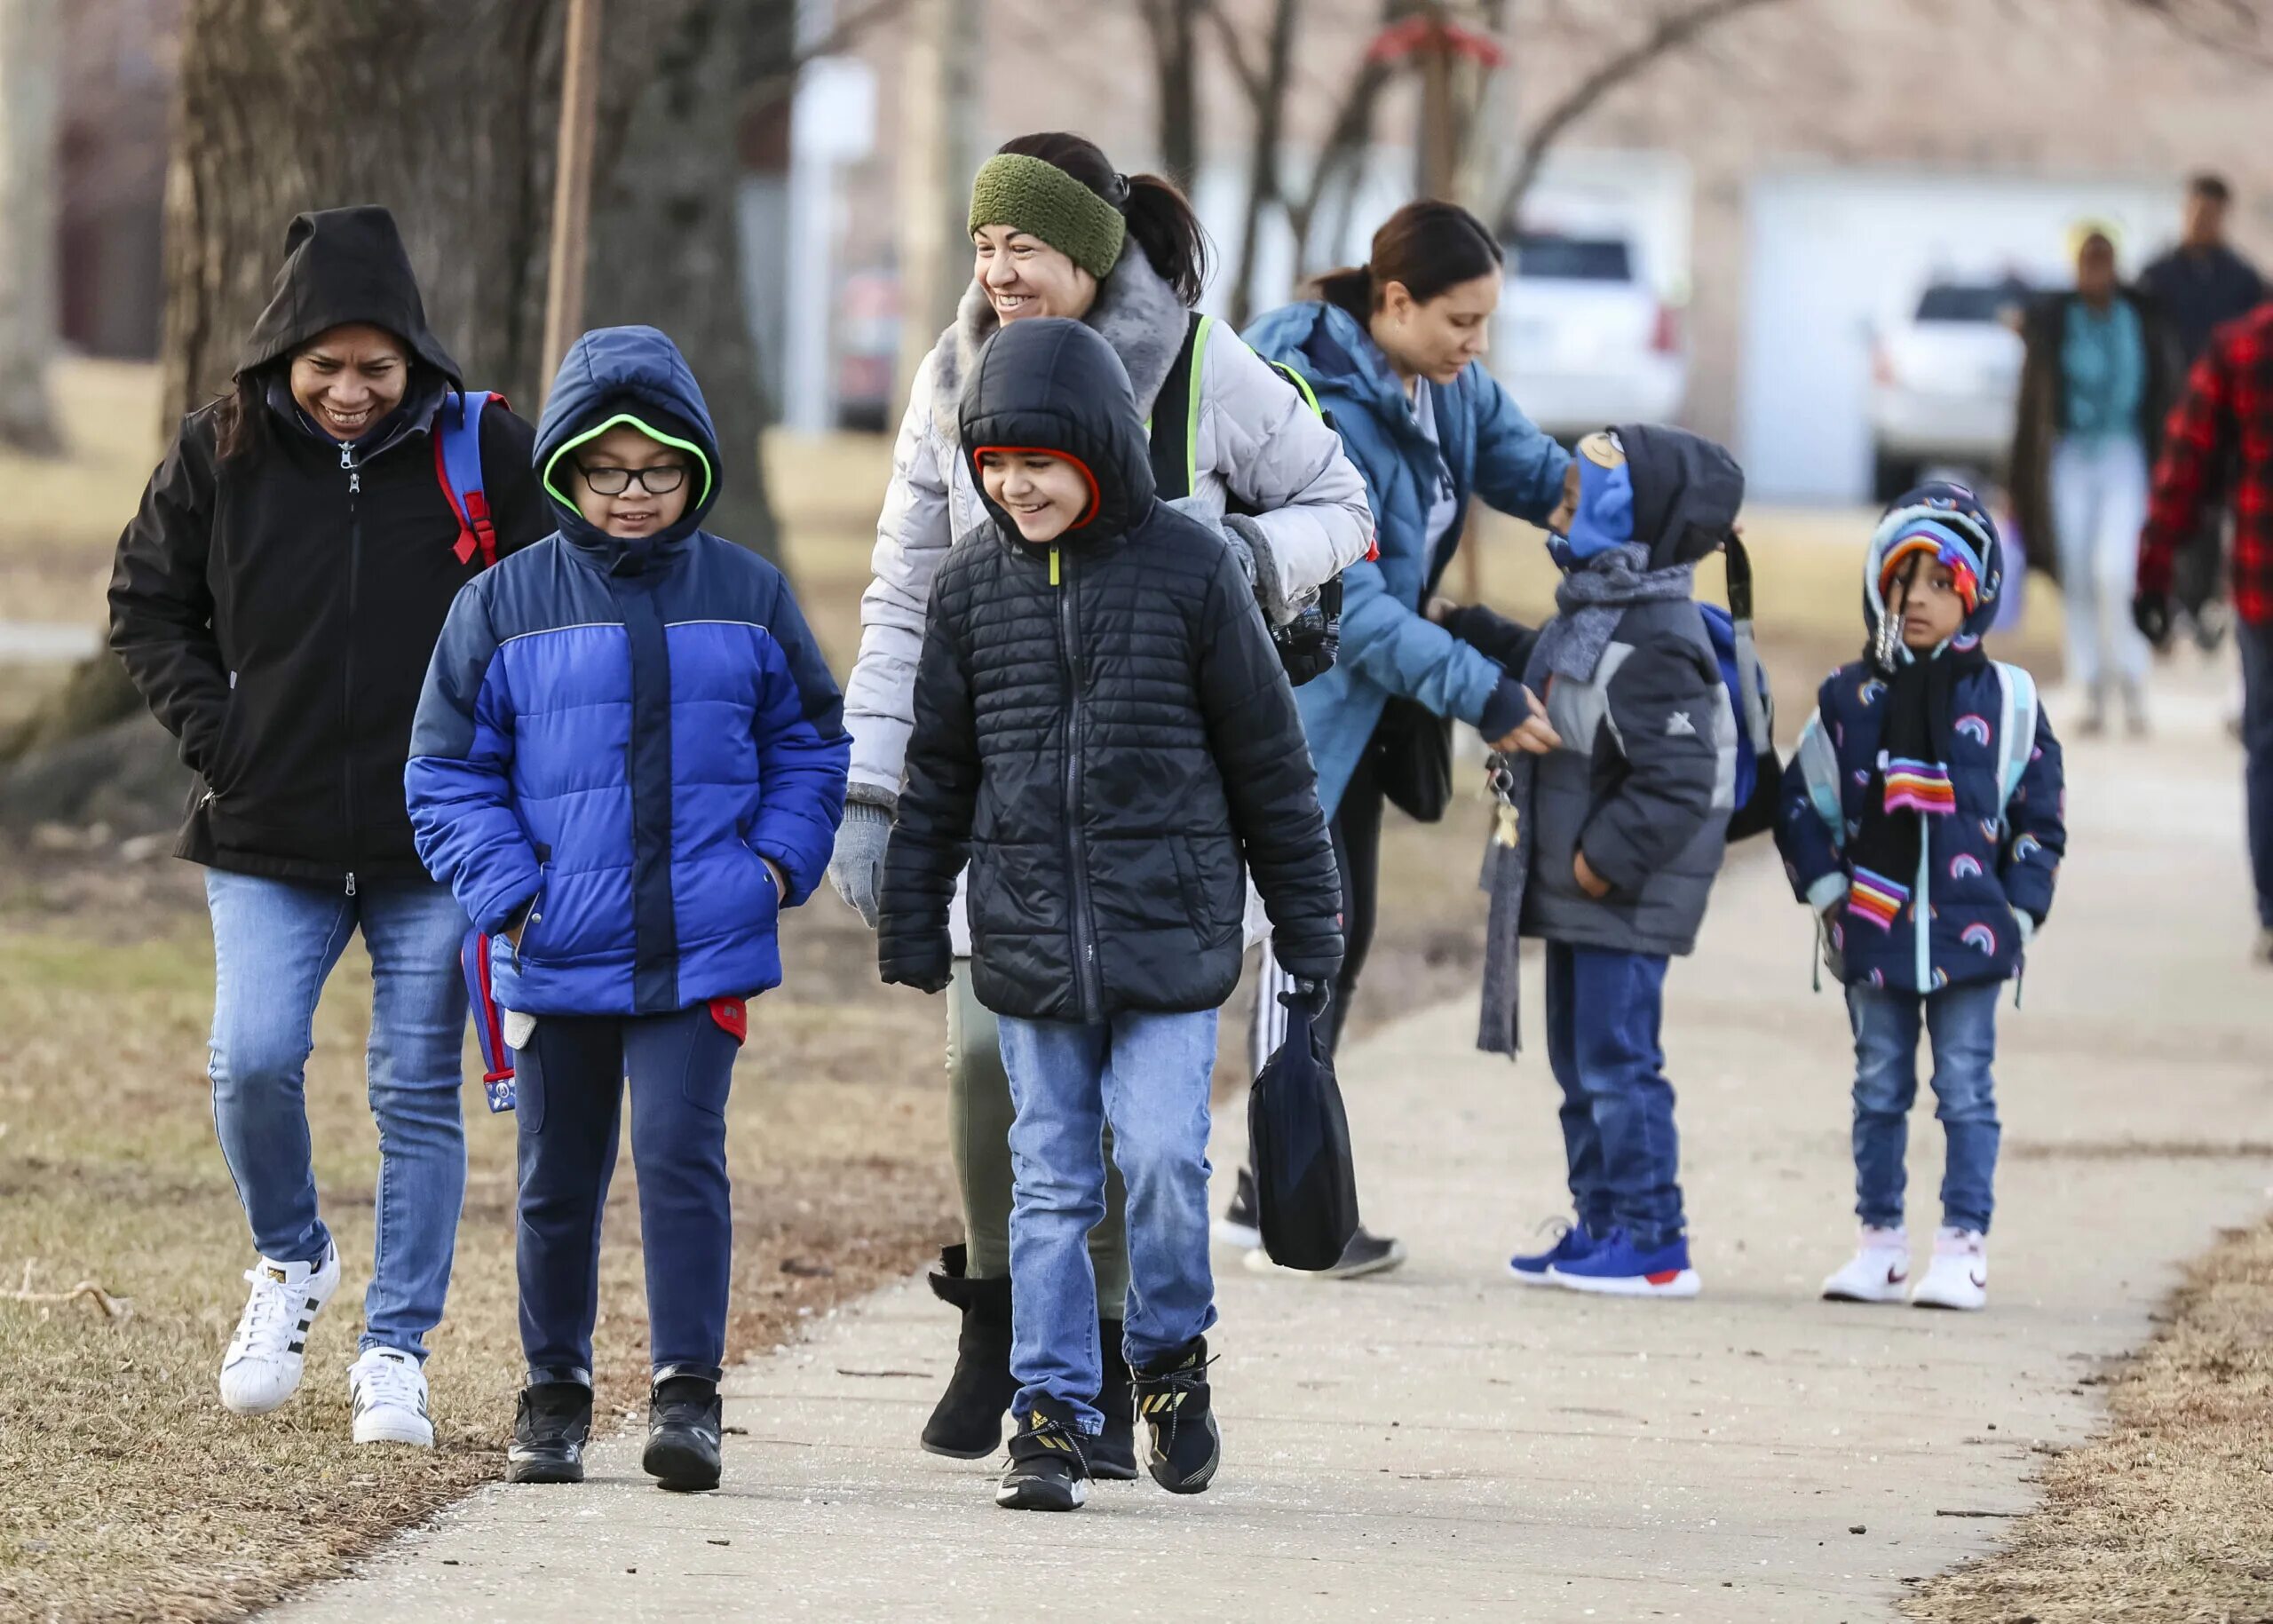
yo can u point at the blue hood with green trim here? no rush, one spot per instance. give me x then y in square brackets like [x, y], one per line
[636, 372]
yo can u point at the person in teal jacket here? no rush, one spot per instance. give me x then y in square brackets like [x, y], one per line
[1394, 350]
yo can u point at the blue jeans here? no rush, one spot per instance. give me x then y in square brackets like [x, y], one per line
[1961, 1022]
[1148, 1076]
[1602, 1010]
[2257, 742]
[275, 944]
[570, 1090]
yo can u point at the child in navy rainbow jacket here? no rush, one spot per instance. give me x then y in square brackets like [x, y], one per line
[1923, 821]
[629, 759]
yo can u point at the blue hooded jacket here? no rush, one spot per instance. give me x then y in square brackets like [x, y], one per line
[1984, 868]
[615, 732]
[1491, 449]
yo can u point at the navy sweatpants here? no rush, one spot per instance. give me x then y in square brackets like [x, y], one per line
[569, 1086]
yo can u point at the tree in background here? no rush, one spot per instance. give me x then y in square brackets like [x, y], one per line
[31, 51]
[444, 111]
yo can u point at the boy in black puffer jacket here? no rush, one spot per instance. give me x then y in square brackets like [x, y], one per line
[1104, 733]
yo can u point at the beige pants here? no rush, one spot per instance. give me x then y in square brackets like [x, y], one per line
[979, 1124]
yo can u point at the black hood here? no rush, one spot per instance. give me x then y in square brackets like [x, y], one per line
[1046, 385]
[1687, 490]
[343, 265]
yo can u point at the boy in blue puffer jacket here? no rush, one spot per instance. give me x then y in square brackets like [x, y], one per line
[628, 759]
[1922, 819]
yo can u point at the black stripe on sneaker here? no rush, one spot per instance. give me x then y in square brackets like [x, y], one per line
[293, 1348]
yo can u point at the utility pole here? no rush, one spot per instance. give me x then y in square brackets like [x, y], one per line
[939, 142]
[572, 183]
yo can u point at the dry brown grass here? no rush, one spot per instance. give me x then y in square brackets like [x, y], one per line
[2167, 1514]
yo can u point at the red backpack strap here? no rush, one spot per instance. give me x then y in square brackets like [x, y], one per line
[457, 469]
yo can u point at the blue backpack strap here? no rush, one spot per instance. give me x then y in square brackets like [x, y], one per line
[457, 466]
[1819, 770]
[2015, 731]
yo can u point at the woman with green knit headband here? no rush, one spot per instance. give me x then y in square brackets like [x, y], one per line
[1057, 231]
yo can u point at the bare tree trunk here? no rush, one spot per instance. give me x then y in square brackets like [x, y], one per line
[1175, 26]
[453, 130]
[31, 70]
[1266, 88]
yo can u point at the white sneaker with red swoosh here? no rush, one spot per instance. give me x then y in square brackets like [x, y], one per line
[1878, 1273]
[1958, 1276]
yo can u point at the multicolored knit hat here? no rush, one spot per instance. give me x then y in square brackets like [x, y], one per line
[1036, 196]
[1946, 545]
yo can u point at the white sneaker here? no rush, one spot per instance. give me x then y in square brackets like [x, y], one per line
[389, 1392]
[1958, 1276]
[262, 1367]
[1878, 1273]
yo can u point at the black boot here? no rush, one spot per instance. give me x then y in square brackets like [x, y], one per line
[1172, 1397]
[1112, 1452]
[682, 1431]
[552, 1425]
[1049, 1468]
[966, 1423]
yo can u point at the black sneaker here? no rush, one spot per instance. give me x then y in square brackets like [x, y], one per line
[1240, 1226]
[1112, 1452]
[1050, 1469]
[683, 1428]
[551, 1424]
[1172, 1397]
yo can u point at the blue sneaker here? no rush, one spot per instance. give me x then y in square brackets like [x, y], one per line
[1615, 1267]
[1572, 1243]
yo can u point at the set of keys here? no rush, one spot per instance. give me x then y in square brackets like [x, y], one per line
[1506, 820]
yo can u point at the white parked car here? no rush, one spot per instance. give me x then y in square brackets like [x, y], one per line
[1583, 342]
[1943, 383]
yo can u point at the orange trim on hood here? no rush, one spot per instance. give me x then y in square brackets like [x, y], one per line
[1097, 493]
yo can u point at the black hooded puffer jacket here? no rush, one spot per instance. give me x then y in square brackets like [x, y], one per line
[1645, 778]
[1103, 728]
[277, 611]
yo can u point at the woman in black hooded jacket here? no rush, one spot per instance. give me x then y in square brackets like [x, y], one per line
[276, 600]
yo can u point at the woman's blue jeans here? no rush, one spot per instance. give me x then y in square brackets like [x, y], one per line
[275, 944]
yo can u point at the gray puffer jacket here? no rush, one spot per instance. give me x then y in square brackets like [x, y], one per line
[1645, 778]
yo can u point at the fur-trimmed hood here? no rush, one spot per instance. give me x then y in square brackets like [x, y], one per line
[1136, 313]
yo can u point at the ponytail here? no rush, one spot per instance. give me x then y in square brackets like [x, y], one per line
[1428, 245]
[1160, 217]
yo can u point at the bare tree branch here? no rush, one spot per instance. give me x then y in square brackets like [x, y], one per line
[2232, 27]
[1235, 52]
[1672, 31]
[781, 78]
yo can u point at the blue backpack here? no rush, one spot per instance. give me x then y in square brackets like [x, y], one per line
[1759, 770]
[457, 467]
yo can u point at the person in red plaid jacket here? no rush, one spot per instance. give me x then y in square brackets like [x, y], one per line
[2226, 411]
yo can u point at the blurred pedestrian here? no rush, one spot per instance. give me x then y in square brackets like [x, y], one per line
[1395, 350]
[275, 600]
[1104, 731]
[2227, 414]
[629, 759]
[1057, 232]
[2096, 379]
[2201, 284]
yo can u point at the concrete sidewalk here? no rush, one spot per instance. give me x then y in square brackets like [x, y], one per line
[1440, 1443]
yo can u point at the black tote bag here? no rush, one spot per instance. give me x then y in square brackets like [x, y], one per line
[1413, 759]
[1298, 1145]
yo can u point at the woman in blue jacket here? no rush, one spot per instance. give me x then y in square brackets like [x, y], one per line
[630, 756]
[1394, 350]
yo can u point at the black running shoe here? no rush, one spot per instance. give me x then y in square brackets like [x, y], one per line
[552, 1425]
[683, 1428]
[1240, 1227]
[1172, 1397]
[1049, 1470]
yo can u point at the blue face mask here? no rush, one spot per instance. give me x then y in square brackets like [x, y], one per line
[1604, 517]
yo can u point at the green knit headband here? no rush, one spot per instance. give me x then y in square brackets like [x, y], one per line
[1031, 196]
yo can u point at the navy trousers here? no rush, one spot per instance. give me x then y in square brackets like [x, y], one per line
[570, 1086]
[1602, 1009]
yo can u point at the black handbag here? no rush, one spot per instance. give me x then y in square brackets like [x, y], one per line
[1413, 759]
[1298, 1145]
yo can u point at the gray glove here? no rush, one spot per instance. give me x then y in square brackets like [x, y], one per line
[856, 865]
[1250, 544]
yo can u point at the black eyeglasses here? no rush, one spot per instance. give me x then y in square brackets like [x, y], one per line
[658, 481]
